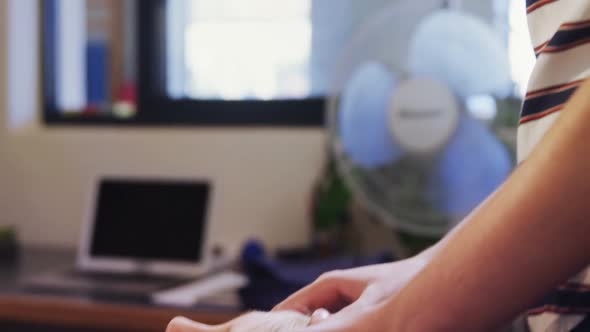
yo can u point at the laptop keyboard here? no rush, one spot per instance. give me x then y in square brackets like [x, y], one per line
[101, 277]
[99, 283]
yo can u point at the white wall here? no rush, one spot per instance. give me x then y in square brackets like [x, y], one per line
[262, 177]
[3, 63]
[3, 69]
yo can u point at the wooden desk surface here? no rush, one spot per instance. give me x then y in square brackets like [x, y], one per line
[24, 311]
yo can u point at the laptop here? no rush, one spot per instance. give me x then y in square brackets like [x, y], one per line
[141, 236]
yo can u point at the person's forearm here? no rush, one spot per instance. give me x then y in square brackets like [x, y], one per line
[531, 235]
[429, 254]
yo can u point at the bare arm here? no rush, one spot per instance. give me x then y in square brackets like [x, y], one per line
[338, 289]
[529, 236]
[427, 255]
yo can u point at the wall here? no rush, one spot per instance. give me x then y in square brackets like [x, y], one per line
[3, 70]
[3, 64]
[262, 177]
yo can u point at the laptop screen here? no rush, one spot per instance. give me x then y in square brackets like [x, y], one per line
[150, 220]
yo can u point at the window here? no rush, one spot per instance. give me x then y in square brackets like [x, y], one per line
[209, 62]
[214, 62]
[89, 57]
[272, 38]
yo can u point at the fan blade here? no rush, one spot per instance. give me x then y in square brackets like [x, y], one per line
[363, 117]
[462, 51]
[472, 166]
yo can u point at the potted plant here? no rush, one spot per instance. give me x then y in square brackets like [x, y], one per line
[8, 244]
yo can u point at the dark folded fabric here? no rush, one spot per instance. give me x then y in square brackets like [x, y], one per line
[274, 279]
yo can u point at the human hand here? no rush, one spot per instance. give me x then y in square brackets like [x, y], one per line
[282, 321]
[337, 290]
[286, 321]
[366, 314]
[370, 312]
[356, 296]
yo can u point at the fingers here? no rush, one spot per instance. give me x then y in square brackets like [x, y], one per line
[319, 316]
[342, 321]
[304, 300]
[181, 324]
[332, 292]
[327, 324]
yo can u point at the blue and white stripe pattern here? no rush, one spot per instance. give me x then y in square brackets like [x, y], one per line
[560, 31]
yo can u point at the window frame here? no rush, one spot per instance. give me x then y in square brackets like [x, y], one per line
[154, 107]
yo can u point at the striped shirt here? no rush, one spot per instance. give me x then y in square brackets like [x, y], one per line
[560, 31]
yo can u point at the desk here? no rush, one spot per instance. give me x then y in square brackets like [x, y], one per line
[23, 311]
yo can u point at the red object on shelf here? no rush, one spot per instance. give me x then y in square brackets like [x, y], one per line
[128, 93]
[91, 109]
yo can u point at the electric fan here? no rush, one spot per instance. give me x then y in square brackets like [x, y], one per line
[412, 115]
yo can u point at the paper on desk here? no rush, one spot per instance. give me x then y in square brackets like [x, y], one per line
[192, 293]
